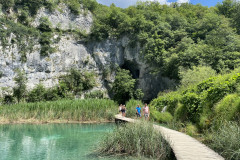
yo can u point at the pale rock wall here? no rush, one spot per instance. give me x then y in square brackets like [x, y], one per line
[94, 56]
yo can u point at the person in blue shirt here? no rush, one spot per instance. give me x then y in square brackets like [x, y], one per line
[138, 111]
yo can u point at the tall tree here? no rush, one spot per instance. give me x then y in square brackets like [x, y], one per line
[123, 86]
[21, 89]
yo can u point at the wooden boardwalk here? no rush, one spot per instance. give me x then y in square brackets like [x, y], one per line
[183, 146]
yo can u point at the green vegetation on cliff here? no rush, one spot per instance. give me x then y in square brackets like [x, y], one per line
[176, 36]
[171, 37]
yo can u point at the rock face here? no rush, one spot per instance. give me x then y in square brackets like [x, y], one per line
[94, 56]
[64, 19]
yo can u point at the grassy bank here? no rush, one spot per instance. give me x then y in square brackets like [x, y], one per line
[60, 111]
[138, 140]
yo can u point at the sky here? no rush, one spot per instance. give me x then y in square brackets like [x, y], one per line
[126, 3]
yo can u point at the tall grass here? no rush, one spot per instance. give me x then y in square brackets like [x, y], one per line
[136, 139]
[226, 141]
[75, 110]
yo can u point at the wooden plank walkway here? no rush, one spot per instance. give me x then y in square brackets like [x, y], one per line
[183, 146]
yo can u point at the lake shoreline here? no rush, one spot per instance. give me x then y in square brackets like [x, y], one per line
[56, 121]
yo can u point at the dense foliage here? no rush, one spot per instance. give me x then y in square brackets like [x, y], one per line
[124, 87]
[206, 103]
[205, 107]
[175, 36]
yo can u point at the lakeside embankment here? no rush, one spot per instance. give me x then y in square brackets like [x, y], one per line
[62, 111]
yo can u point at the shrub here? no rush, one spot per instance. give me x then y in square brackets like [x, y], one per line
[138, 94]
[8, 99]
[37, 94]
[180, 113]
[197, 74]
[191, 103]
[204, 122]
[191, 129]
[227, 109]
[226, 140]
[20, 90]
[136, 139]
[94, 94]
[131, 107]
[74, 6]
[78, 81]
[164, 117]
[170, 100]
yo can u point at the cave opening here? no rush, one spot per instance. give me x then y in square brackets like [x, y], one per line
[132, 67]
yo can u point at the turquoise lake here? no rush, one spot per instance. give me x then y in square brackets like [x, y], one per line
[52, 141]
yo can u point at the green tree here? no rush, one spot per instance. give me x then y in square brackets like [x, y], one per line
[123, 86]
[21, 89]
[197, 74]
[7, 4]
[77, 81]
[37, 94]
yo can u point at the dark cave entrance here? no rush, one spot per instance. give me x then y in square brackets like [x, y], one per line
[132, 67]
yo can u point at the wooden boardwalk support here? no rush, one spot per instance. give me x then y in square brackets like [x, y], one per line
[183, 146]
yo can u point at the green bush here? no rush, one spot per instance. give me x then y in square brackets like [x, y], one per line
[180, 113]
[74, 6]
[135, 139]
[194, 76]
[95, 94]
[37, 94]
[131, 106]
[191, 129]
[204, 122]
[164, 117]
[191, 102]
[170, 100]
[226, 140]
[77, 81]
[227, 109]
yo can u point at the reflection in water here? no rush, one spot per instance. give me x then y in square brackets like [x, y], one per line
[50, 142]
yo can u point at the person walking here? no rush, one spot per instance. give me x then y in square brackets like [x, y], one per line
[120, 108]
[123, 110]
[138, 111]
[146, 112]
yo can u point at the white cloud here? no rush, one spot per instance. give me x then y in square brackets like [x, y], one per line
[183, 1]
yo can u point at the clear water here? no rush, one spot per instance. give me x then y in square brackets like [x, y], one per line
[51, 141]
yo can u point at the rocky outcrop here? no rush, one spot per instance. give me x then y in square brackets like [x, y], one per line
[93, 56]
[64, 19]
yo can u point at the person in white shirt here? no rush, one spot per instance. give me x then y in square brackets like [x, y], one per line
[146, 112]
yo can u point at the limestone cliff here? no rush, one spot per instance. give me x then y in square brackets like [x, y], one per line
[94, 56]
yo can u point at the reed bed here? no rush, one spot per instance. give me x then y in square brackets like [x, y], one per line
[226, 140]
[135, 139]
[72, 110]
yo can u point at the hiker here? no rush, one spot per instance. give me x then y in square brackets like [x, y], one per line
[138, 111]
[146, 112]
[120, 108]
[123, 110]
